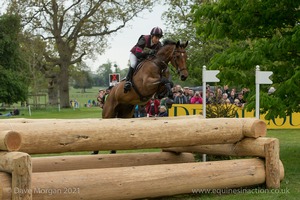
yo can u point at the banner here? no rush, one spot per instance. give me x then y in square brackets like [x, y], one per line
[288, 122]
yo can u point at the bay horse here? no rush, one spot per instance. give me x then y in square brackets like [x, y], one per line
[150, 77]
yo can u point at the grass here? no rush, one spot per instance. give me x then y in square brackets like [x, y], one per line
[289, 153]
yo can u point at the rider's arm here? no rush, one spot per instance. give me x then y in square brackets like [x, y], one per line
[141, 51]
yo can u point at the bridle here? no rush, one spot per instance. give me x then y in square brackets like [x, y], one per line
[182, 53]
[164, 65]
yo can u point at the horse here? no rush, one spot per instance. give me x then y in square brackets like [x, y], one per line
[150, 77]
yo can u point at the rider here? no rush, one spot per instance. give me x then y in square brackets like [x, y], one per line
[146, 45]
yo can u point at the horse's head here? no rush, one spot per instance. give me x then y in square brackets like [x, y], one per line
[179, 59]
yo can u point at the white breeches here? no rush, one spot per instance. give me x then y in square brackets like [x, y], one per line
[133, 60]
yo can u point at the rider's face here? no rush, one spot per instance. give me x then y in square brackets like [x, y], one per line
[155, 39]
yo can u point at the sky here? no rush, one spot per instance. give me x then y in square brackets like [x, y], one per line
[123, 41]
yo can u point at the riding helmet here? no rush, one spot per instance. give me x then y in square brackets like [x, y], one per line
[157, 32]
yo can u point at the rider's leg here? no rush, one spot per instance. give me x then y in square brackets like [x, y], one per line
[133, 62]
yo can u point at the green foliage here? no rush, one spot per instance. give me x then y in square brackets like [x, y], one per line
[83, 79]
[264, 33]
[14, 82]
[216, 110]
[103, 72]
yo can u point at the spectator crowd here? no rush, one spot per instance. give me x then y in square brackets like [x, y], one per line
[186, 95]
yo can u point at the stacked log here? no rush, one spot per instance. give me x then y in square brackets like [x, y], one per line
[145, 181]
[124, 134]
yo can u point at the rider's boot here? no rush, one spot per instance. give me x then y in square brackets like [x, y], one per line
[128, 84]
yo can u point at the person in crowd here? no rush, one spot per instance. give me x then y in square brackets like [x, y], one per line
[163, 111]
[139, 111]
[190, 95]
[100, 96]
[227, 102]
[6, 114]
[152, 107]
[208, 88]
[180, 98]
[218, 95]
[224, 98]
[226, 90]
[240, 97]
[232, 96]
[197, 98]
[178, 88]
[210, 97]
[147, 45]
[16, 111]
[186, 90]
[237, 102]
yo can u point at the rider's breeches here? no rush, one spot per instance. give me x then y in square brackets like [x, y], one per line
[132, 60]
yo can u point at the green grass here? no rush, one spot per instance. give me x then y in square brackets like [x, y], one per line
[289, 152]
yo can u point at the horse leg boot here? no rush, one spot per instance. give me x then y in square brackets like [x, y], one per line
[169, 86]
[128, 84]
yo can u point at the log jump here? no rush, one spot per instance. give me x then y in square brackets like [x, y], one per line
[125, 134]
[133, 175]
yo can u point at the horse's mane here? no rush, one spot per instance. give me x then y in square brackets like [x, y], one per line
[168, 42]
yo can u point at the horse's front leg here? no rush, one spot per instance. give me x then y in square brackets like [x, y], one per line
[108, 111]
[168, 85]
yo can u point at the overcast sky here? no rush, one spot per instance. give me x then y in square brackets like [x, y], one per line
[120, 45]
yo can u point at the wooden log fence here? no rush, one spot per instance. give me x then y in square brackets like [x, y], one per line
[133, 175]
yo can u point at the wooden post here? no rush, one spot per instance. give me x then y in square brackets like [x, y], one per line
[5, 186]
[272, 164]
[10, 140]
[60, 136]
[18, 164]
[64, 163]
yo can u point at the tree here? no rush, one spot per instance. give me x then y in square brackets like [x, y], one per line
[13, 70]
[265, 33]
[74, 29]
[180, 21]
[83, 80]
[32, 48]
[103, 72]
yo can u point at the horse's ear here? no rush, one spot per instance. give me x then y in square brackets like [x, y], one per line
[187, 42]
[178, 44]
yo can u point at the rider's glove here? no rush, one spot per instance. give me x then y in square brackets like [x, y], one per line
[152, 52]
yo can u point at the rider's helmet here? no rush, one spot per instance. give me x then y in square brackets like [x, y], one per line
[157, 32]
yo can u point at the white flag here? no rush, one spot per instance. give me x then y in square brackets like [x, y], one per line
[263, 77]
[210, 75]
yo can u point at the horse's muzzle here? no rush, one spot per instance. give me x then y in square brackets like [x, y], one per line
[183, 78]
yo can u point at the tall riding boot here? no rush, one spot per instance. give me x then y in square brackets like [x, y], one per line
[128, 84]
